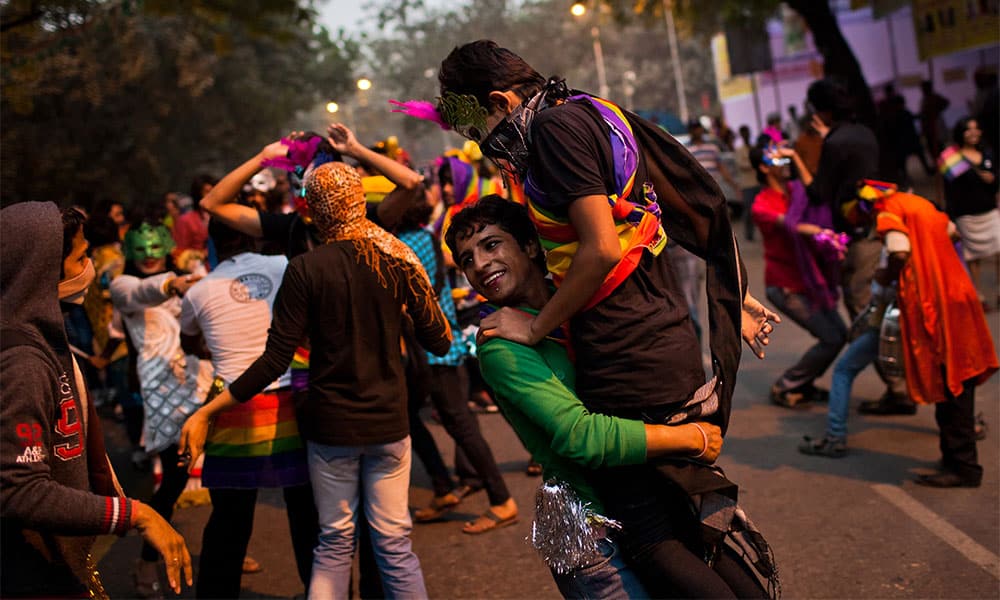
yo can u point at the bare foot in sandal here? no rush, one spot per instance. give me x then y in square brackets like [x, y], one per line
[495, 517]
[439, 506]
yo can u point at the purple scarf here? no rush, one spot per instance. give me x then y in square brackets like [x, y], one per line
[817, 258]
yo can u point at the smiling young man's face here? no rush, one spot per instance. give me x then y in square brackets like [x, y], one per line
[497, 266]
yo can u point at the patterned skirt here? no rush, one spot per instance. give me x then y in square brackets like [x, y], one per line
[256, 444]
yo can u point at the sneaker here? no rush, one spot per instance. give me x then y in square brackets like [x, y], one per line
[829, 447]
[787, 398]
[146, 578]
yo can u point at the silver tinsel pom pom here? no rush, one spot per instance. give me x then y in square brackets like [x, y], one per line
[565, 531]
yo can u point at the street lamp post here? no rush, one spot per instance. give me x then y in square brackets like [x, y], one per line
[578, 10]
[675, 58]
[629, 78]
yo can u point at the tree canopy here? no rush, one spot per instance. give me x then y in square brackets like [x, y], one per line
[406, 53]
[127, 99]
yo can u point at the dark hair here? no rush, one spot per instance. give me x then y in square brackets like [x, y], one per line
[416, 216]
[756, 160]
[829, 95]
[228, 241]
[104, 205]
[480, 67]
[495, 210]
[958, 132]
[199, 182]
[325, 150]
[100, 230]
[72, 222]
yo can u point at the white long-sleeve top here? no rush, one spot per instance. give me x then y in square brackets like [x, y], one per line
[173, 384]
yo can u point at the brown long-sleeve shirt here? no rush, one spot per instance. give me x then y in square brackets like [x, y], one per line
[352, 314]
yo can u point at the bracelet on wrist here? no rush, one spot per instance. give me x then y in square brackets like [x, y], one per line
[704, 438]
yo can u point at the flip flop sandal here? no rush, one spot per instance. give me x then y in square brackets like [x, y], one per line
[440, 506]
[494, 522]
[251, 566]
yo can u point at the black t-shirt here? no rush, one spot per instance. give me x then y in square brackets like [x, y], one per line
[637, 348]
[293, 234]
[850, 154]
[968, 194]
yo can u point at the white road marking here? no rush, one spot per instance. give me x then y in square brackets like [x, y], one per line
[951, 535]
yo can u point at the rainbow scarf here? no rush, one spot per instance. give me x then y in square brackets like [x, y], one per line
[637, 216]
[952, 163]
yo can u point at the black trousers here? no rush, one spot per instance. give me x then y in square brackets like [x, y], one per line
[171, 485]
[450, 396]
[824, 325]
[957, 421]
[661, 539]
[425, 447]
[227, 534]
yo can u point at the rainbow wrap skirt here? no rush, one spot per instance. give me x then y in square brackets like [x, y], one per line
[256, 444]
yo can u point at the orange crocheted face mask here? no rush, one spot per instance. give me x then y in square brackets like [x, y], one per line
[336, 201]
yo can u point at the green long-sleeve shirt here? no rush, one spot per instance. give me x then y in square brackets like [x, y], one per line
[534, 387]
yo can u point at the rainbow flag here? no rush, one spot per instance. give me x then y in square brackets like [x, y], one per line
[952, 163]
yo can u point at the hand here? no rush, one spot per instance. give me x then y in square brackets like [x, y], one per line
[756, 325]
[713, 435]
[193, 436]
[509, 324]
[274, 150]
[182, 284]
[783, 152]
[160, 535]
[821, 128]
[986, 176]
[808, 229]
[342, 139]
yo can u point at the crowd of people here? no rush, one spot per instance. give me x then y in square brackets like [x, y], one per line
[285, 325]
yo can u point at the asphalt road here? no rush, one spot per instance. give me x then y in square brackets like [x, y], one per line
[856, 527]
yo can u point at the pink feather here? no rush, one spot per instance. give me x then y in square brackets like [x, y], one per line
[300, 154]
[420, 109]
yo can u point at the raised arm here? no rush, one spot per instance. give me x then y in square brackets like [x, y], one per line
[342, 139]
[220, 202]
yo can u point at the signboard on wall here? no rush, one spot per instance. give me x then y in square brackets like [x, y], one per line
[946, 26]
[728, 85]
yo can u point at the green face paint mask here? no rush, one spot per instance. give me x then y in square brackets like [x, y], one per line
[464, 114]
[148, 241]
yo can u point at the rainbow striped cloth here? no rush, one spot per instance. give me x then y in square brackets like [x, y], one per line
[952, 163]
[256, 444]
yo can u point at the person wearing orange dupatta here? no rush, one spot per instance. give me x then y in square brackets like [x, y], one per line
[947, 346]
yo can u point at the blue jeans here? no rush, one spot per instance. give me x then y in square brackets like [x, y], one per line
[859, 354]
[338, 474]
[608, 578]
